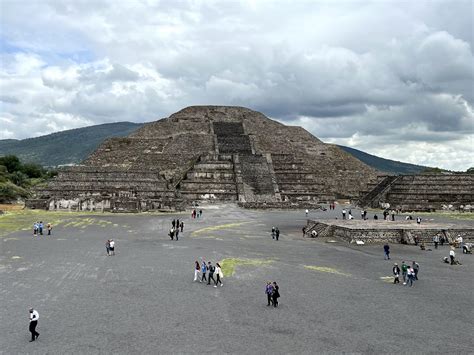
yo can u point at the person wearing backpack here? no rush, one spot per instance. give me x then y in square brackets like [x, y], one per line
[219, 275]
[203, 271]
[211, 269]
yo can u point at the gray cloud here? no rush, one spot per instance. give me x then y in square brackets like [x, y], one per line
[368, 75]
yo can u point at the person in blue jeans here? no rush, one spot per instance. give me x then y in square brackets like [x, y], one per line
[386, 249]
[203, 271]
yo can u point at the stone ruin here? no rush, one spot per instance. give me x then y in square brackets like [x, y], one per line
[428, 192]
[207, 153]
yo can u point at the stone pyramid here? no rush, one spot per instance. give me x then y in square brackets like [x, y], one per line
[209, 153]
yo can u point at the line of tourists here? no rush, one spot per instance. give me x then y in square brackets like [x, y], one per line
[177, 226]
[39, 226]
[409, 273]
[208, 271]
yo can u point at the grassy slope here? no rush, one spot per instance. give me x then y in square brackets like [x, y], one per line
[65, 147]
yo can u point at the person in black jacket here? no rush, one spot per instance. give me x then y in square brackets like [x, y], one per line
[276, 294]
[211, 269]
[396, 273]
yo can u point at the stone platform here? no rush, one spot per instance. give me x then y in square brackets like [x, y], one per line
[373, 231]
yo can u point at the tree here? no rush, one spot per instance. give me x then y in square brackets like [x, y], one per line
[11, 162]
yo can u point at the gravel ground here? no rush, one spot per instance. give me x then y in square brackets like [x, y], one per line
[144, 300]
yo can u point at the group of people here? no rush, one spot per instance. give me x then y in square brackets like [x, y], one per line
[409, 273]
[196, 214]
[208, 271]
[275, 233]
[272, 290]
[39, 226]
[110, 247]
[177, 226]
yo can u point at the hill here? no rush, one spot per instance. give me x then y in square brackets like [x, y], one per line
[385, 165]
[66, 147]
[73, 146]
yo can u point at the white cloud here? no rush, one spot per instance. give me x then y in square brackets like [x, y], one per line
[380, 76]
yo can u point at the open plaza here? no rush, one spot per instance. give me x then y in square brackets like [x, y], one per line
[336, 296]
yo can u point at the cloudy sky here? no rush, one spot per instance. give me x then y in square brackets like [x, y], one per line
[392, 78]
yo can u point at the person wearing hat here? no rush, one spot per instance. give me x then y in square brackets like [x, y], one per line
[34, 316]
[396, 273]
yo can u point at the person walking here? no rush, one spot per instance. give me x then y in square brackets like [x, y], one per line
[40, 227]
[277, 233]
[275, 294]
[273, 232]
[219, 275]
[197, 267]
[112, 247]
[306, 213]
[181, 226]
[404, 272]
[410, 276]
[176, 233]
[386, 249]
[171, 233]
[107, 247]
[203, 271]
[436, 241]
[173, 223]
[49, 226]
[269, 293]
[416, 268]
[35, 229]
[34, 316]
[343, 214]
[396, 273]
[211, 269]
[200, 213]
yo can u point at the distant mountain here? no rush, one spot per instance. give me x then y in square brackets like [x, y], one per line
[74, 145]
[384, 165]
[65, 147]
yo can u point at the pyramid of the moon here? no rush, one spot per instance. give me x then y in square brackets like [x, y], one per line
[208, 153]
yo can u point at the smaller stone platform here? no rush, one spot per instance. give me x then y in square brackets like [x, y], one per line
[371, 231]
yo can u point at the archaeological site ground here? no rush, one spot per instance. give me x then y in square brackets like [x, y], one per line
[335, 297]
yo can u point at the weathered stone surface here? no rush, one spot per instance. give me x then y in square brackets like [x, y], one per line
[209, 152]
[420, 192]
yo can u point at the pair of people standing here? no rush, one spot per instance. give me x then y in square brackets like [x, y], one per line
[110, 247]
[210, 270]
[196, 214]
[275, 233]
[272, 290]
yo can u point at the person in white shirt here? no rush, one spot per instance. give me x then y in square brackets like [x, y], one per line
[452, 255]
[112, 247]
[219, 275]
[34, 316]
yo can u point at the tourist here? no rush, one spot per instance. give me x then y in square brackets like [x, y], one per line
[176, 233]
[452, 255]
[351, 217]
[343, 213]
[436, 241]
[107, 247]
[376, 217]
[34, 316]
[35, 229]
[49, 226]
[362, 214]
[418, 220]
[197, 267]
[269, 293]
[404, 272]
[304, 231]
[112, 247]
[40, 227]
[393, 215]
[219, 275]
[410, 277]
[181, 226]
[386, 249]
[442, 240]
[277, 233]
[365, 215]
[396, 273]
[173, 223]
[171, 233]
[416, 267]
[459, 241]
[275, 294]
[203, 271]
[273, 232]
[211, 268]
[200, 213]
[385, 214]
[306, 213]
